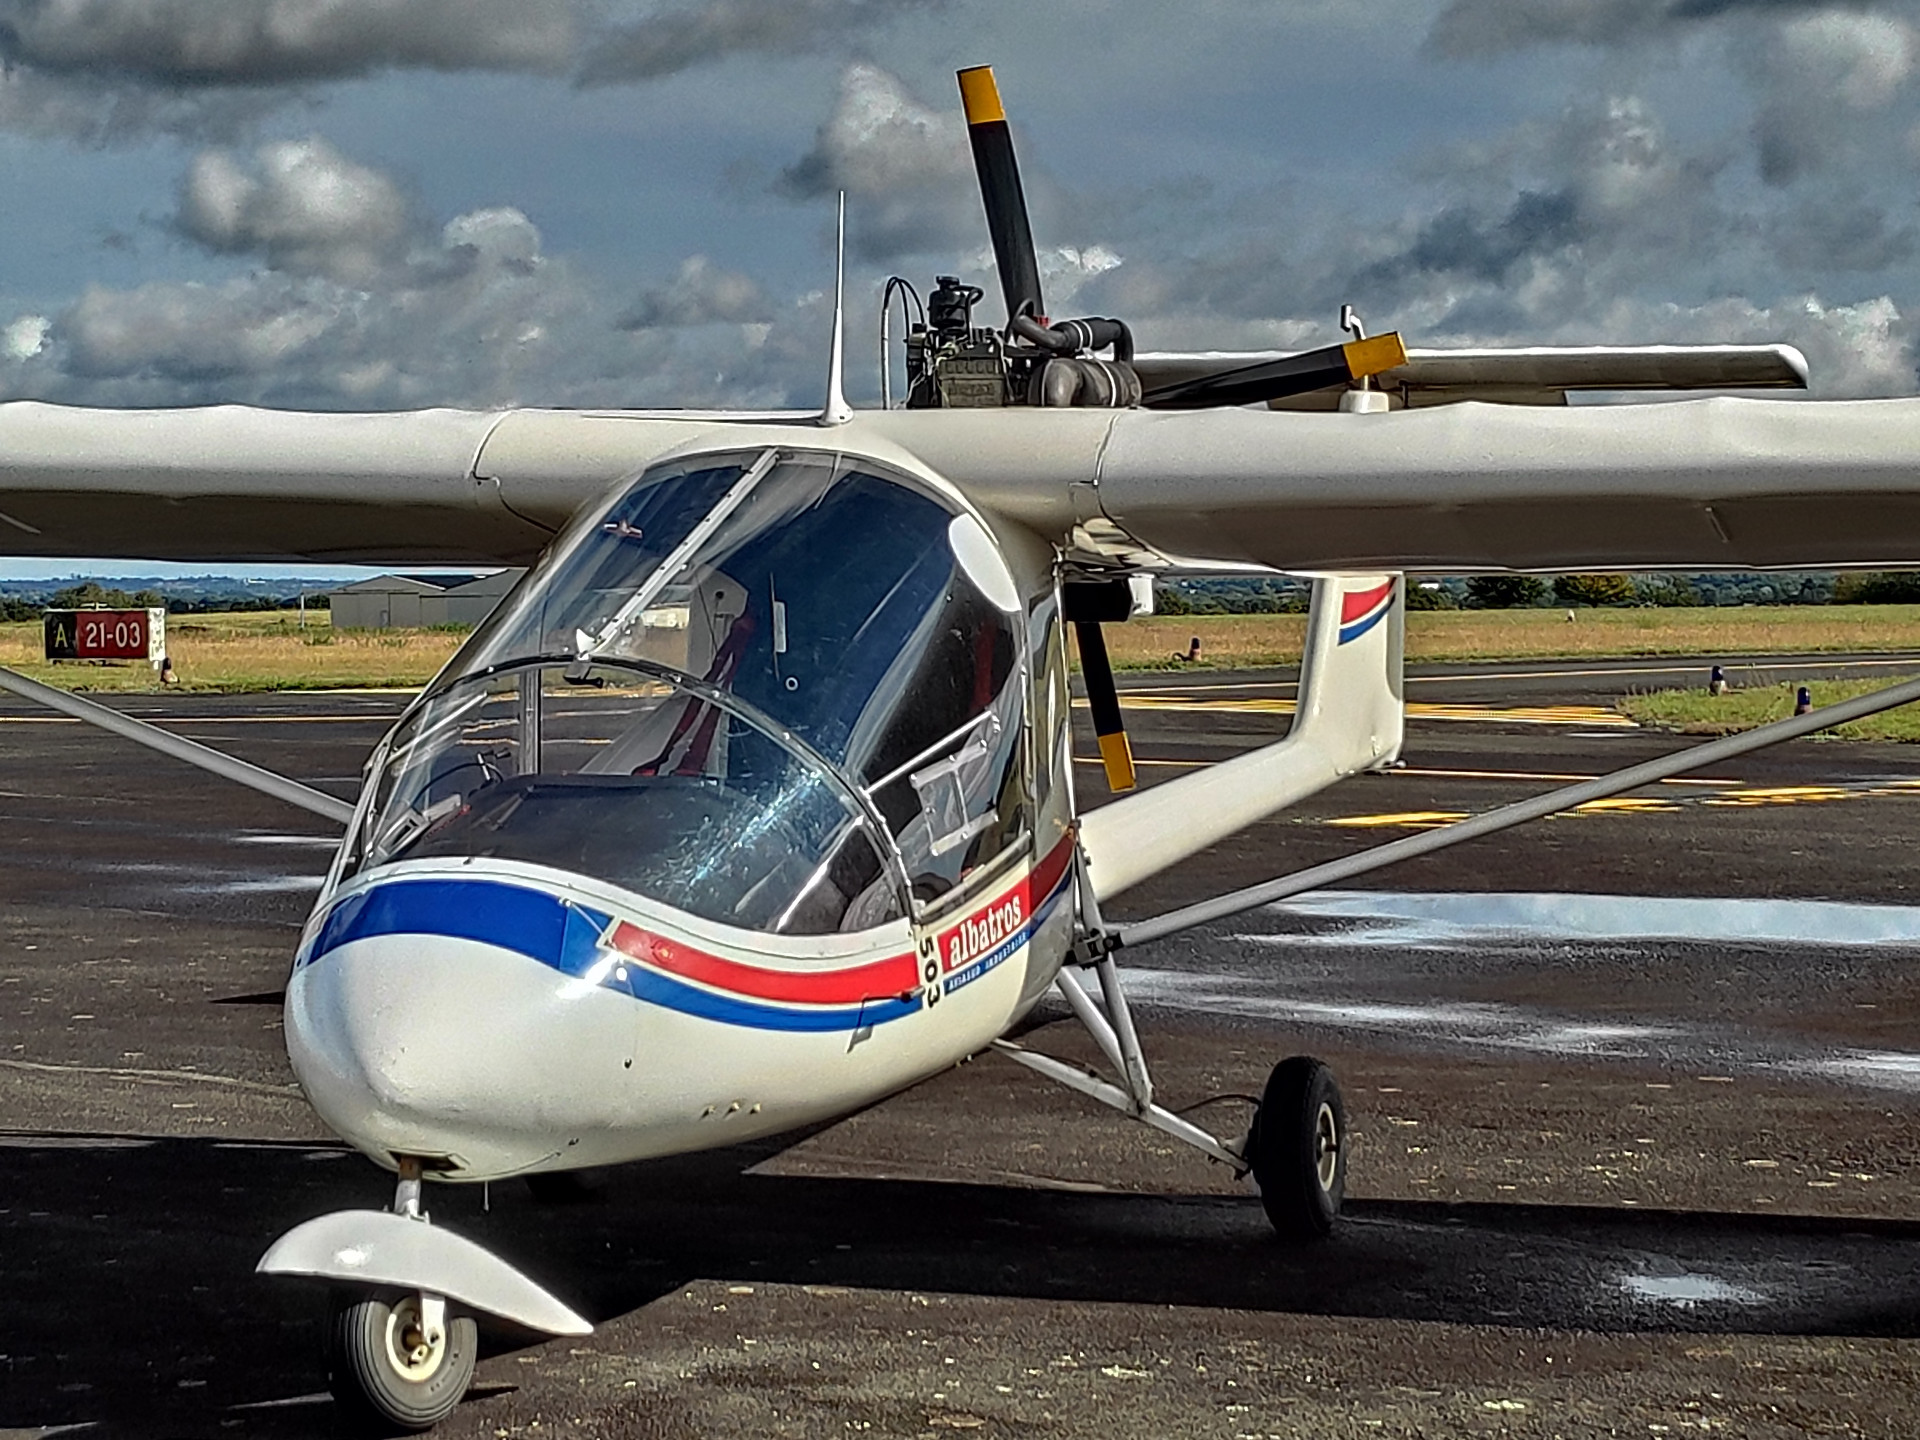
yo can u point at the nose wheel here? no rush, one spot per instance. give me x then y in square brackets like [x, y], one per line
[393, 1361]
[1297, 1149]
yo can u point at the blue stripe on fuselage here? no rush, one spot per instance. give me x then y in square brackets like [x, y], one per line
[565, 936]
[529, 922]
[664, 990]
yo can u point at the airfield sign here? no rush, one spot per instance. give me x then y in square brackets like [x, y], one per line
[107, 634]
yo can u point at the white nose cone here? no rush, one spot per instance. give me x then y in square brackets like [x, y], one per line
[458, 1050]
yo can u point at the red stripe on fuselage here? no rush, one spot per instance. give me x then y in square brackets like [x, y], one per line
[1356, 603]
[896, 975]
[1001, 917]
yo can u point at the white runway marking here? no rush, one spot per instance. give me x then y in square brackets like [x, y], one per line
[1457, 921]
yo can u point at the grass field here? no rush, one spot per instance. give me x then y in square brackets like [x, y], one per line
[256, 650]
[269, 650]
[1231, 641]
[1694, 712]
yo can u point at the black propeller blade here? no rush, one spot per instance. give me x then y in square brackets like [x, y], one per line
[1335, 365]
[1012, 236]
[1085, 605]
[1103, 699]
[1000, 188]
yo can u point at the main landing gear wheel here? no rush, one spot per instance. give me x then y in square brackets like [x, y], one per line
[385, 1368]
[1298, 1149]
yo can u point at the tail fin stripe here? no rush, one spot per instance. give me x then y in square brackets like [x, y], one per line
[1356, 603]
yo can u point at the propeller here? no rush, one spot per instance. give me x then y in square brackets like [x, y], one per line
[1310, 370]
[1000, 190]
[1013, 253]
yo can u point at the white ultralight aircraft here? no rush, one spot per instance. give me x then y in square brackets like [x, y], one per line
[753, 803]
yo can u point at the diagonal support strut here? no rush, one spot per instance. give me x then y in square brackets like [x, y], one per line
[1237, 902]
[227, 767]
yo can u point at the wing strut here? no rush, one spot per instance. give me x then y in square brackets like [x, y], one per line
[1237, 902]
[227, 767]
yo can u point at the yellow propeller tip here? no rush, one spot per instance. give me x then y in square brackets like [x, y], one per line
[980, 95]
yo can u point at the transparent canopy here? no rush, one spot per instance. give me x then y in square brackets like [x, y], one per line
[779, 690]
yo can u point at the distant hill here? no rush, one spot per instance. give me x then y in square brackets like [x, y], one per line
[188, 595]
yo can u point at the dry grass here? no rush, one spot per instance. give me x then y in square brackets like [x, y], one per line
[268, 650]
[1230, 641]
[1695, 712]
[259, 650]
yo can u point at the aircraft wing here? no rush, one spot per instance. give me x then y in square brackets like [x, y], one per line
[1719, 483]
[1707, 484]
[234, 483]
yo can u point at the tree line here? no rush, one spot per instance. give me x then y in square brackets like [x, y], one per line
[1282, 595]
[92, 592]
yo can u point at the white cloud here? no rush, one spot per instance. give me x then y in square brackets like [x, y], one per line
[39, 105]
[361, 303]
[302, 205]
[701, 294]
[193, 332]
[500, 236]
[1608, 189]
[906, 164]
[675, 38]
[255, 42]
[1861, 59]
[1818, 82]
[25, 338]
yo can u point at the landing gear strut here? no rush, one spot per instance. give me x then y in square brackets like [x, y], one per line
[402, 1341]
[1298, 1149]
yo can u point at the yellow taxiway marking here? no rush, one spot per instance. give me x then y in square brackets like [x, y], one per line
[1630, 804]
[1589, 715]
[1811, 794]
[1411, 819]
[1540, 775]
[1734, 795]
[1428, 819]
[1437, 774]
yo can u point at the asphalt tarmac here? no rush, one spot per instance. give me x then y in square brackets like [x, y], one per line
[1621, 1166]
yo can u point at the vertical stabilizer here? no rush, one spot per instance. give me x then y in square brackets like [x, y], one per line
[1350, 718]
[837, 411]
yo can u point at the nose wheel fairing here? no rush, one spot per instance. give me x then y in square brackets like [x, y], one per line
[379, 1249]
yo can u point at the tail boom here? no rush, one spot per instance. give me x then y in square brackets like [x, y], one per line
[1349, 718]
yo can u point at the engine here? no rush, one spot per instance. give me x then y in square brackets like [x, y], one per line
[954, 364]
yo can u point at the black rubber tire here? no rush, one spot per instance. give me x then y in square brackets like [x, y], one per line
[366, 1378]
[1300, 1126]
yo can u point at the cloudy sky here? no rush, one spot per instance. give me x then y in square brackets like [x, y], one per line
[365, 204]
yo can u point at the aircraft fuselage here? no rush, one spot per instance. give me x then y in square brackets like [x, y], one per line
[693, 843]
